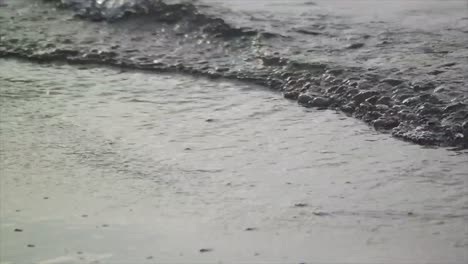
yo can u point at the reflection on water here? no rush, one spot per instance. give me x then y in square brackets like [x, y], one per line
[104, 166]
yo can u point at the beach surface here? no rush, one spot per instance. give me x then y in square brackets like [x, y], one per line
[104, 166]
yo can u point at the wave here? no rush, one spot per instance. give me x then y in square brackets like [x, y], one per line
[158, 11]
[157, 36]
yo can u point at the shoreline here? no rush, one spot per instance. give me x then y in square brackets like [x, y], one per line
[413, 117]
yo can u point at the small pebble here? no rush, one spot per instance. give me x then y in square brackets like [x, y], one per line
[320, 213]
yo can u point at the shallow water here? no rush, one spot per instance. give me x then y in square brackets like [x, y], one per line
[101, 165]
[410, 55]
[409, 38]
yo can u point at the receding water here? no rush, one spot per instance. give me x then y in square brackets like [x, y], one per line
[106, 166]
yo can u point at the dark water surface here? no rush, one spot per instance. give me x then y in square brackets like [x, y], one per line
[104, 166]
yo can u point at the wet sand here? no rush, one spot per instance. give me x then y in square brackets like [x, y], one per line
[104, 166]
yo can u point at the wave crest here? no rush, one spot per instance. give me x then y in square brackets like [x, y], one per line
[155, 10]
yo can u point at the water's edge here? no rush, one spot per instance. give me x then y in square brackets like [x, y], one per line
[410, 110]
